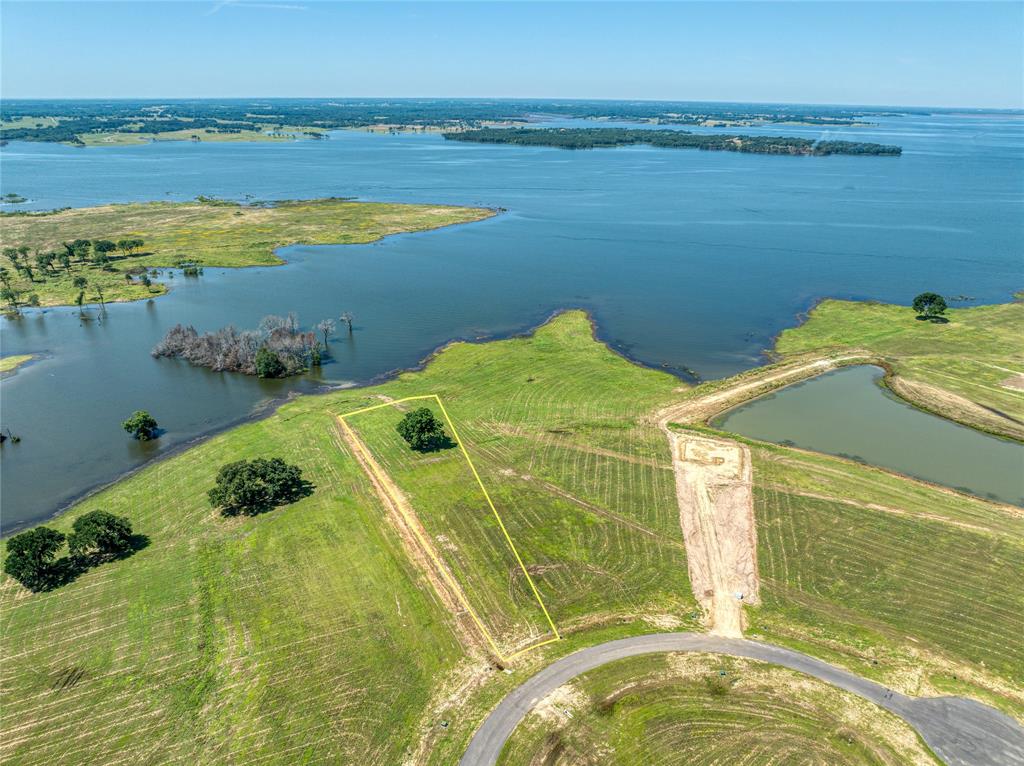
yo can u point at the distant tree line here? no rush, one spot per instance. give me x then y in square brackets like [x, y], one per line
[593, 138]
[83, 117]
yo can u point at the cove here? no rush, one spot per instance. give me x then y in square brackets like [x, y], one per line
[847, 413]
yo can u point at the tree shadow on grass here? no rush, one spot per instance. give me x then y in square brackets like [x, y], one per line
[436, 444]
[66, 570]
[933, 320]
[288, 495]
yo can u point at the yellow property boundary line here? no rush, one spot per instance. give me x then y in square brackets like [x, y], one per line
[430, 548]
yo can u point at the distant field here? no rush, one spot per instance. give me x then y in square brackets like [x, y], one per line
[128, 138]
[975, 356]
[11, 363]
[213, 233]
[307, 634]
[707, 709]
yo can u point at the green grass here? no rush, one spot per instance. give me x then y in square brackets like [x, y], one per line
[11, 363]
[672, 709]
[973, 355]
[128, 138]
[215, 234]
[307, 635]
[902, 579]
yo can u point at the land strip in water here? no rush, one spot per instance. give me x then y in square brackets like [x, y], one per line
[604, 138]
[309, 630]
[202, 233]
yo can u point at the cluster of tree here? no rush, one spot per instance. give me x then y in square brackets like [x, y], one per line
[249, 487]
[593, 138]
[95, 537]
[423, 431]
[41, 265]
[277, 349]
[81, 117]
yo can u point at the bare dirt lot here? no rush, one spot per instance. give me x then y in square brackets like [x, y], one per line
[713, 487]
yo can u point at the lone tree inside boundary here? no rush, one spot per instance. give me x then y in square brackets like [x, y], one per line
[141, 425]
[423, 431]
[929, 305]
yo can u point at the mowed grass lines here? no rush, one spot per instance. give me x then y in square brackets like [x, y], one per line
[558, 429]
[877, 564]
[299, 636]
[704, 709]
[460, 526]
[306, 634]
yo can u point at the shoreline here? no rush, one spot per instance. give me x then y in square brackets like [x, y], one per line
[261, 412]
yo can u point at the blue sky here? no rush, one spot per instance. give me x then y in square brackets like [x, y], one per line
[916, 53]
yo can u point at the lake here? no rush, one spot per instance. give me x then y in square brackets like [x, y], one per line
[847, 413]
[688, 260]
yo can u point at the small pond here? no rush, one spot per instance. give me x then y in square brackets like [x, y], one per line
[847, 413]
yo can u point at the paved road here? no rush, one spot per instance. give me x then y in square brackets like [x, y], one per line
[960, 731]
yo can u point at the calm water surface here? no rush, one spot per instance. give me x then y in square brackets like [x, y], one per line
[688, 260]
[846, 413]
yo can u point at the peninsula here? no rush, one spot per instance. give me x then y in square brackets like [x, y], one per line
[47, 255]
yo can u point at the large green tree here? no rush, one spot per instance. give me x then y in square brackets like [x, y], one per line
[254, 486]
[141, 425]
[929, 305]
[30, 557]
[98, 533]
[422, 430]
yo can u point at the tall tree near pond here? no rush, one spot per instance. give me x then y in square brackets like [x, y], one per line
[10, 297]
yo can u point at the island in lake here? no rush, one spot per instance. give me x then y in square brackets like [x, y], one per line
[595, 138]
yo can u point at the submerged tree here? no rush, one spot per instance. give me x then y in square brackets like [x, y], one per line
[347, 318]
[141, 425]
[326, 327]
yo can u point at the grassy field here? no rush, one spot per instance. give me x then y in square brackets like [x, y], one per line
[975, 356]
[706, 709]
[213, 233]
[128, 138]
[895, 579]
[11, 363]
[307, 634]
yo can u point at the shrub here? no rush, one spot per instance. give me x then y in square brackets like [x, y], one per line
[251, 487]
